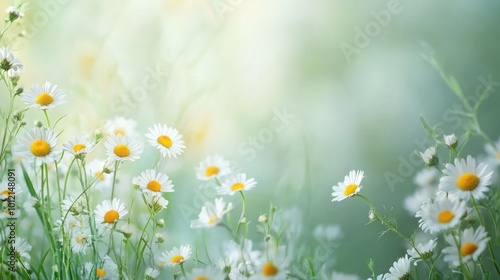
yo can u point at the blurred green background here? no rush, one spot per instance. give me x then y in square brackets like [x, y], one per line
[224, 68]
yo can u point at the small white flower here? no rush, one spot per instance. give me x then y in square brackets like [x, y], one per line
[211, 214]
[108, 270]
[153, 182]
[79, 145]
[166, 139]
[426, 251]
[399, 269]
[212, 167]
[236, 183]
[414, 202]
[427, 178]
[108, 212]
[441, 214]
[95, 169]
[176, 256]
[207, 273]
[464, 180]
[493, 152]
[350, 187]
[451, 141]
[151, 273]
[43, 97]
[23, 248]
[38, 145]
[429, 156]
[80, 241]
[13, 13]
[120, 126]
[471, 244]
[122, 148]
[8, 61]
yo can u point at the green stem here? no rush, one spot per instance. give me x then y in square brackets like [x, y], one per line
[243, 212]
[490, 247]
[46, 117]
[114, 180]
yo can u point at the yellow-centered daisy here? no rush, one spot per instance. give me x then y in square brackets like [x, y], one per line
[441, 214]
[166, 139]
[153, 182]
[109, 212]
[39, 145]
[176, 256]
[350, 187]
[211, 214]
[124, 148]
[212, 167]
[471, 243]
[43, 97]
[236, 183]
[79, 145]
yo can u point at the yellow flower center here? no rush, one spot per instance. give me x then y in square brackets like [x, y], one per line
[467, 182]
[44, 99]
[121, 150]
[111, 216]
[40, 148]
[165, 141]
[237, 187]
[269, 269]
[211, 171]
[119, 131]
[7, 192]
[201, 277]
[78, 147]
[212, 219]
[177, 259]
[154, 186]
[445, 216]
[80, 240]
[100, 176]
[100, 272]
[350, 189]
[468, 249]
[498, 155]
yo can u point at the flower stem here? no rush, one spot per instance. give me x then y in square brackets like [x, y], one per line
[490, 247]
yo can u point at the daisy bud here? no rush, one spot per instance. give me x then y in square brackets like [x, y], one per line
[451, 141]
[18, 116]
[160, 237]
[243, 220]
[267, 238]
[19, 91]
[13, 13]
[98, 135]
[263, 218]
[371, 215]
[38, 124]
[160, 223]
[429, 157]
[126, 231]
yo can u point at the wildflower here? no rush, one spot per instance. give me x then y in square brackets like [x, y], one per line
[95, 169]
[151, 273]
[108, 212]
[212, 167]
[350, 187]
[176, 256]
[160, 223]
[108, 269]
[440, 214]
[207, 273]
[8, 61]
[427, 178]
[160, 237]
[236, 183]
[211, 214]
[122, 148]
[157, 203]
[274, 267]
[38, 145]
[426, 251]
[79, 145]
[493, 152]
[13, 13]
[43, 97]
[153, 182]
[413, 202]
[23, 248]
[166, 139]
[429, 156]
[464, 180]
[399, 270]
[72, 206]
[451, 141]
[120, 126]
[80, 241]
[471, 244]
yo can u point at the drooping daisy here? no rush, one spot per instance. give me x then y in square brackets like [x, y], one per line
[471, 244]
[70, 205]
[153, 182]
[8, 61]
[176, 256]
[79, 145]
[207, 273]
[107, 213]
[399, 270]
[212, 167]
[23, 248]
[426, 251]
[441, 214]
[166, 139]
[350, 187]
[95, 169]
[236, 183]
[464, 180]
[119, 147]
[120, 126]
[151, 273]
[39, 145]
[211, 214]
[158, 203]
[44, 97]
[429, 156]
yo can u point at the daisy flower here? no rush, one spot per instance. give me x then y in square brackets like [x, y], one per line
[109, 212]
[212, 167]
[38, 145]
[427, 178]
[399, 269]
[8, 61]
[493, 152]
[176, 256]
[80, 242]
[23, 248]
[429, 156]
[166, 139]
[236, 183]
[75, 208]
[350, 187]
[471, 244]
[151, 273]
[119, 147]
[43, 97]
[158, 203]
[440, 214]
[212, 214]
[451, 140]
[243, 256]
[79, 145]
[426, 251]
[465, 180]
[413, 202]
[275, 267]
[207, 273]
[108, 269]
[120, 126]
[153, 182]
[95, 169]
[13, 13]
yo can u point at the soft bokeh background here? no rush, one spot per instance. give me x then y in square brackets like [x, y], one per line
[223, 75]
